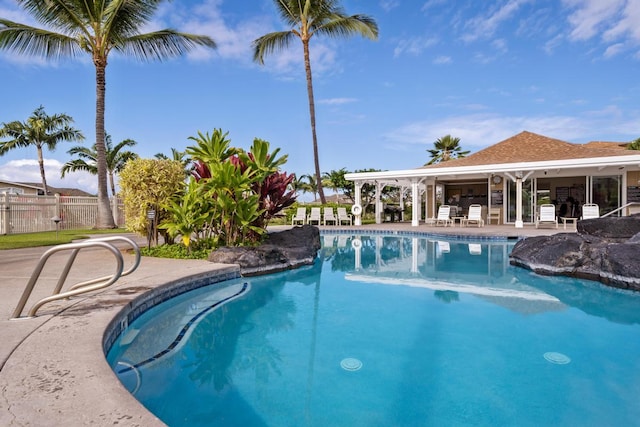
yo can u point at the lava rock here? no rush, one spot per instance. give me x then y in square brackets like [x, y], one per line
[280, 251]
[604, 249]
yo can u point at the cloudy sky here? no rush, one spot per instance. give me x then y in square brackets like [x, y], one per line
[480, 71]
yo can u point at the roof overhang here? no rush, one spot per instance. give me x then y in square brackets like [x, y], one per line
[408, 176]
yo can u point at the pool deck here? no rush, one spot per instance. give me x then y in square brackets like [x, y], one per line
[53, 370]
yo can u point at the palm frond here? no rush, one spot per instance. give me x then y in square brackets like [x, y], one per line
[163, 44]
[270, 43]
[24, 39]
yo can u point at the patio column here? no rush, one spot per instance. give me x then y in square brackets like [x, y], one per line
[378, 207]
[519, 223]
[415, 205]
[358, 200]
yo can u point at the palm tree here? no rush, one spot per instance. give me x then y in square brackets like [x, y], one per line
[310, 186]
[96, 28]
[446, 148]
[335, 180]
[39, 130]
[634, 145]
[88, 159]
[307, 18]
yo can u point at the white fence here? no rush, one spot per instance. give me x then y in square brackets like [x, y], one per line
[29, 214]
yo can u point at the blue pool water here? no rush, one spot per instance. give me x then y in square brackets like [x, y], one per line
[390, 331]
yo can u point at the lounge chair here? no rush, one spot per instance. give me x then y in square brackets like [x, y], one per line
[442, 247]
[329, 216]
[314, 216]
[443, 216]
[590, 211]
[475, 216]
[547, 215]
[343, 216]
[300, 216]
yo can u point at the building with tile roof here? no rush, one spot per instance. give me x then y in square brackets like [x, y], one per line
[518, 174]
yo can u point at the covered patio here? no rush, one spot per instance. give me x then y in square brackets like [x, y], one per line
[512, 178]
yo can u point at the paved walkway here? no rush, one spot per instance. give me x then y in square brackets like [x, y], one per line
[53, 370]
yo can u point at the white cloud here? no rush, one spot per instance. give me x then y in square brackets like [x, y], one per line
[613, 50]
[414, 46]
[442, 60]
[590, 16]
[478, 131]
[337, 101]
[485, 26]
[27, 170]
[388, 5]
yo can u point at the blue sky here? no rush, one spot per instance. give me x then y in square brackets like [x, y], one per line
[481, 71]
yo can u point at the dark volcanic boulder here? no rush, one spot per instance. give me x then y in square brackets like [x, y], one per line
[610, 227]
[280, 251]
[604, 249]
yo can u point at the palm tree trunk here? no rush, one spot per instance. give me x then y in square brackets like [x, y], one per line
[105, 217]
[312, 113]
[42, 175]
[112, 184]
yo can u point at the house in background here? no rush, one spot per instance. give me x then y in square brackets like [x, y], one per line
[35, 189]
[515, 176]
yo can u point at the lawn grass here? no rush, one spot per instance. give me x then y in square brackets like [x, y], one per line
[49, 238]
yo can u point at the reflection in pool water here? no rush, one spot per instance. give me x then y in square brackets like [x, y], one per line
[390, 330]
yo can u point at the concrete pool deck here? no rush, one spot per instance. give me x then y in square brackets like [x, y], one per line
[53, 370]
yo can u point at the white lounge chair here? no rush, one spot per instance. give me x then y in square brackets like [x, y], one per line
[443, 216]
[590, 211]
[315, 216]
[475, 216]
[343, 216]
[300, 216]
[547, 215]
[329, 216]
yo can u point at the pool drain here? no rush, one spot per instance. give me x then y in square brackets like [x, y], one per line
[351, 364]
[557, 358]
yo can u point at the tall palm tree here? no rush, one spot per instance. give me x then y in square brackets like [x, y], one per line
[39, 130]
[96, 27]
[307, 18]
[88, 159]
[446, 148]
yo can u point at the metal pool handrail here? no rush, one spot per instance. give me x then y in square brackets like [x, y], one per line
[82, 287]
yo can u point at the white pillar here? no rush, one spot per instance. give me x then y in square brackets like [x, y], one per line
[415, 205]
[519, 223]
[378, 206]
[358, 199]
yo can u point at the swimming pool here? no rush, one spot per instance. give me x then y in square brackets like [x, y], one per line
[390, 331]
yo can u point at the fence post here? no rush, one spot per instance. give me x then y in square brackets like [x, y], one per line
[4, 214]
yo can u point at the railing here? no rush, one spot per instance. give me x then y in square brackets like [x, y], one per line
[22, 213]
[631, 211]
[82, 287]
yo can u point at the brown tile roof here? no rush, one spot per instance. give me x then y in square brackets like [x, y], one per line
[531, 147]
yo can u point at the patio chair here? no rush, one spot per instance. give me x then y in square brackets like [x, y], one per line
[547, 215]
[300, 216]
[494, 214]
[590, 211]
[314, 216]
[443, 216]
[329, 216]
[343, 216]
[475, 216]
